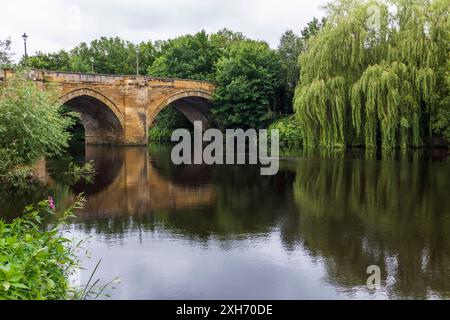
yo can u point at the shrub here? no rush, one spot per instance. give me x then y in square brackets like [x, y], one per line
[290, 134]
[158, 134]
[31, 124]
[36, 263]
[166, 121]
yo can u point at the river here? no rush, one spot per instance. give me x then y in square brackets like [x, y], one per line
[226, 232]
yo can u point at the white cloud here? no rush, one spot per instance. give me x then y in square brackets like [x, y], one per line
[53, 25]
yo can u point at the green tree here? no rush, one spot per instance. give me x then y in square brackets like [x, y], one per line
[248, 80]
[189, 57]
[110, 56]
[441, 125]
[224, 38]
[312, 29]
[166, 121]
[147, 55]
[59, 61]
[31, 125]
[289, 50]
[375, 76]
[81, 62]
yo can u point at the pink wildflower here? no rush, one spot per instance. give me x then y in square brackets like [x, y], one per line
[51, 203]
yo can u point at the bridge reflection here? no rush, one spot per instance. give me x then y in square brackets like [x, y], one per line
[342, 211]
[128, 183]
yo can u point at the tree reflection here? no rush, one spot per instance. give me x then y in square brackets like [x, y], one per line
[395, 214]
[346, 210]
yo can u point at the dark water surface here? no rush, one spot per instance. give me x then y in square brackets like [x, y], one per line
[311, 231]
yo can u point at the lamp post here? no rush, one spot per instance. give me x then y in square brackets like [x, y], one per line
[25, 38]
[137, 60]
[92, 64]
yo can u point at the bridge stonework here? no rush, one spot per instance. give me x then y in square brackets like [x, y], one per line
[120, 109]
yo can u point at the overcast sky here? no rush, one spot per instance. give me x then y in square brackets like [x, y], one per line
[56, 24]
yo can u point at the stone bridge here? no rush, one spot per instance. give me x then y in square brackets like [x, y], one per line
[118, 109]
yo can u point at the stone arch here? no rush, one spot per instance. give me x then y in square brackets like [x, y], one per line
[194, 104]
[94, 94]
[101, 118]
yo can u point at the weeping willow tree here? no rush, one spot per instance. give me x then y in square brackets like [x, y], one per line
[375, 75]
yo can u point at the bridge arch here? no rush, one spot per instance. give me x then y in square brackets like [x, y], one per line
[101, 118]
[194, 104]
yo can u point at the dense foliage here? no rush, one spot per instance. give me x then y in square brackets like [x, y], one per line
[110, 56]
[31, 125]
[34, 263]
[247, 73]
[289, 49]
[166, 121]
[104, 55]
[60, 61]
[193, 56]
[248, 81]
[375, 76]
[290, 135]
[441, 125]
[189, 57]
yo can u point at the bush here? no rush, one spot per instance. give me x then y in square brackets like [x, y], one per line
[31, 124]
[290, 134]
[158, 134]
[166, 121]
[36, 264]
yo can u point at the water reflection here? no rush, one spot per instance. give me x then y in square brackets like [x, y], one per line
[194, 200]
[226, 232]
[136, 187]
[395, 214]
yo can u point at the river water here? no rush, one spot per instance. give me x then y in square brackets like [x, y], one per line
[226, 232]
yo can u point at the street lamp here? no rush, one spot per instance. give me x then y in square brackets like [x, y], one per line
[92, 64]
[137, 60]
[25, 37]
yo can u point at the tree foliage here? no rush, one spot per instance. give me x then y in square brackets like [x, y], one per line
[188, 57]
[288, 131]
[289, 49]
[60, 61]
[110, 56]
[375, 75]
[224, 38]
[312, 29]
[104, 55]
[248, 81]
[31, 125]
[166, 121]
